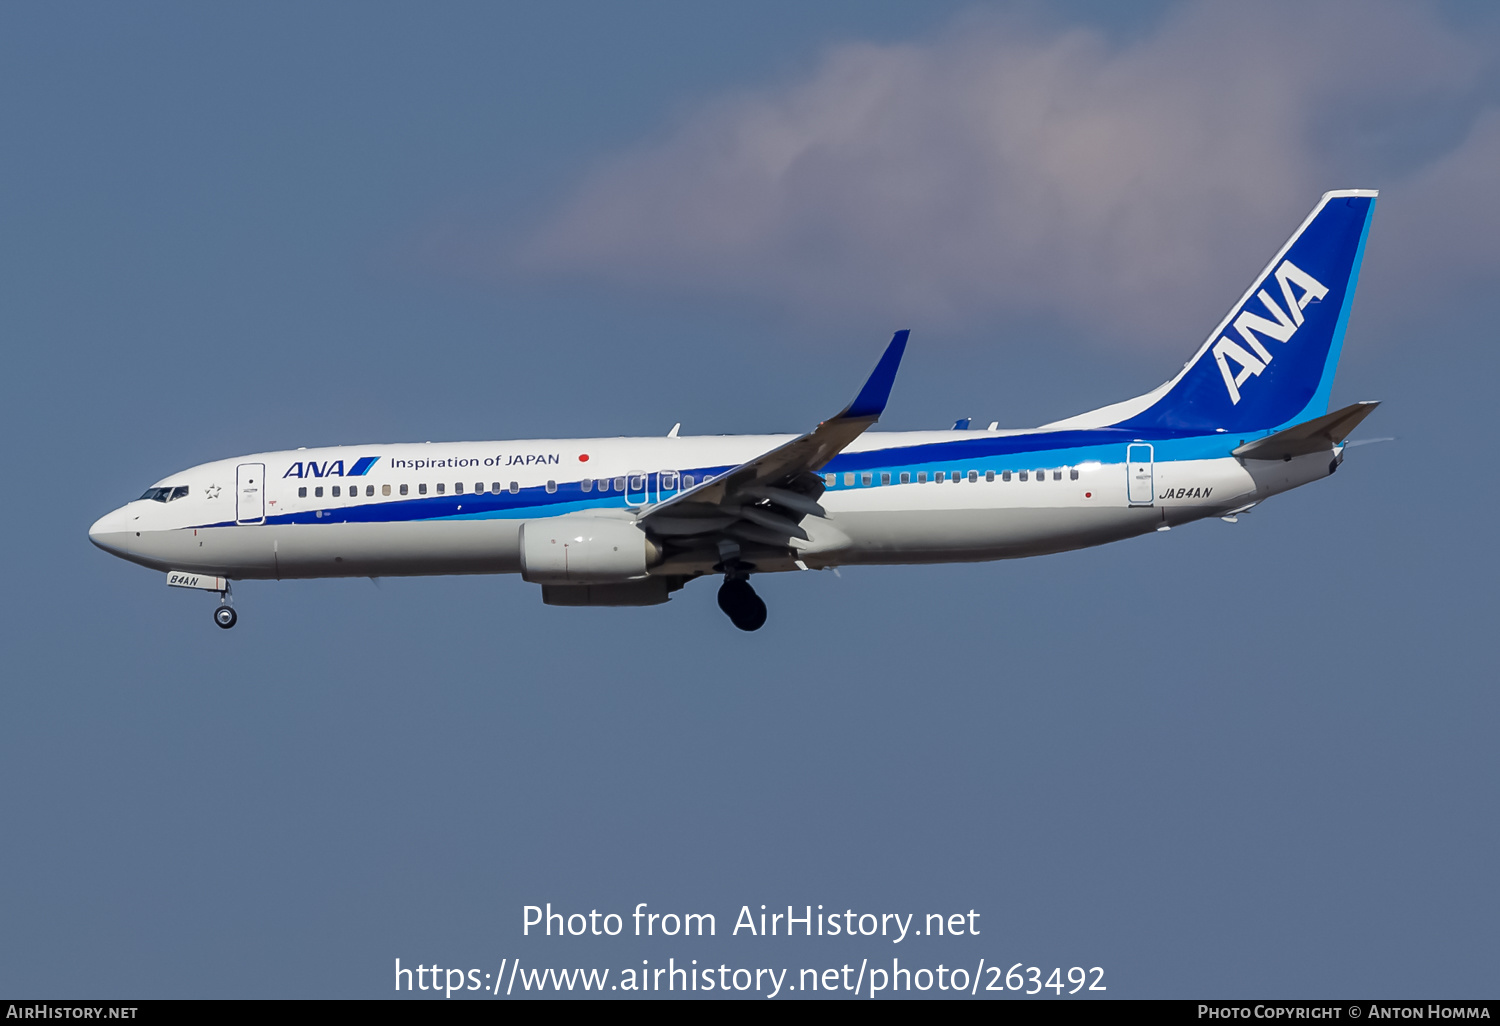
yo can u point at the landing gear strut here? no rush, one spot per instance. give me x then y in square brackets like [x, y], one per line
[225, 616]
[744, 608]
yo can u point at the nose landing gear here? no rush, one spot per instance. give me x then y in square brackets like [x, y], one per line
[744, 608]
[224, 615]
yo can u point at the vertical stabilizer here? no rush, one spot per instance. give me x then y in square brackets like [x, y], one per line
[1270, 363]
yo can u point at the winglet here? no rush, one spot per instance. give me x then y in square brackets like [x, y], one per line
[872, 398]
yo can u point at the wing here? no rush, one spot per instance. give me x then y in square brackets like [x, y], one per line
[764, 500]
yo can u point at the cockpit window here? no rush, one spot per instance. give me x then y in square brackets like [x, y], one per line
[180, 492]
[166, 494]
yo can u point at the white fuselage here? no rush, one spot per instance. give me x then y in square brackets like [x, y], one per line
[451, 508]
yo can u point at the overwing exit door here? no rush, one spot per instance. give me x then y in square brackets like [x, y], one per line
[637, 488]
[250, 493]
[1140, 482]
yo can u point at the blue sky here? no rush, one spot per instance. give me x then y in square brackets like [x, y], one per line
[1237, 760]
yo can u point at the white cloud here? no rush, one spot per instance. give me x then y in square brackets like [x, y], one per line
[1002, 170]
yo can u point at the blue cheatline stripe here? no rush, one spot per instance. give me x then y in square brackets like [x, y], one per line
[1041, 451]
[1012, 452]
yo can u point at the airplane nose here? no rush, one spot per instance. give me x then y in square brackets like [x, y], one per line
[109, 532]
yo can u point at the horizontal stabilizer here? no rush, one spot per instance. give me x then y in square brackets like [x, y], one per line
[1317, 435]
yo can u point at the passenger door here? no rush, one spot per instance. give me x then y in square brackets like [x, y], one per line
[250, 493]
[1140, 482]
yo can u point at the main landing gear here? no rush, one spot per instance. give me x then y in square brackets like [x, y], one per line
[744, 608]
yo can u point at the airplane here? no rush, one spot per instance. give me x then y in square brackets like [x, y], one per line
[630, 521]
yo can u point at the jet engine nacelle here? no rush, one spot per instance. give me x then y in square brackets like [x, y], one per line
[584, 550]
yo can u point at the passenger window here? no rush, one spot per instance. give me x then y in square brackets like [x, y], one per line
[458, 488]
[973, 476]
[302, 492]
[1072, 473]
[1041, 475]
[421, 489]
[1057, 475]
[921, 477]
[906, 477]
[551, 487]
[515, 487]
[478, 487]
[940, 476]
[848, 479]
[441, 488]
[1005, 475]
[495, 487]
[1023, 476]
[989, 475]
[403, 489]
[867, 479]
[637, 482]
[385, 489]
[588, 484]
[687, 481]
[667, 479]
[885, 477]
[619, 484]
[830, 480]
[335, 491]
[318, 492]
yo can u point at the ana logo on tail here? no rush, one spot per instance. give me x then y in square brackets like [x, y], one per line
[1253, 360]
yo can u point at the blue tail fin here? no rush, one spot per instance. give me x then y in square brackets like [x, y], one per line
[1270, 363]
